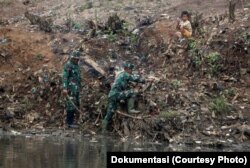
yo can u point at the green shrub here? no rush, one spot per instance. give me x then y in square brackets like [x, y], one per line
[213, 62]
[176, 84]
[230, 92]
[219, 105]
[112, 37]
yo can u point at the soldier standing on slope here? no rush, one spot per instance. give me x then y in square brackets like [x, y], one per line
[72, 87]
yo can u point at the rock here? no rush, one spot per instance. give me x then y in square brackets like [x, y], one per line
[210, 128]
[198, 142]
[13, 132]
[195, 106]
[213, 114]
[3, 41]
[164, 15]
[136, 31]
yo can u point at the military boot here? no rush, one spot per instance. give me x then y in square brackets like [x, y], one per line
[131, 105]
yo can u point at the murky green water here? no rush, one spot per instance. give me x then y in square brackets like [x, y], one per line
[43, 151]
[54, 152]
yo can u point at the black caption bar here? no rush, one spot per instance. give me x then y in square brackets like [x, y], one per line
[177, 159]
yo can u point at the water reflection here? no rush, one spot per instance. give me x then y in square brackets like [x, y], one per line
[51, 152]
[58, 152]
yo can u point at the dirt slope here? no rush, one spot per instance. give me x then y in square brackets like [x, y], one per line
[31, 64]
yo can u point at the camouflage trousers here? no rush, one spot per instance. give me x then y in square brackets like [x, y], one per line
[70, 107]
[114, 101]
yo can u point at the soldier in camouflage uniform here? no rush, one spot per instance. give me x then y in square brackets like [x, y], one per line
[120, 91]
[71, 87]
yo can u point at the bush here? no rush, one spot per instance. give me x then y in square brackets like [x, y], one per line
[112, 37]
[219, 105]
[176, 84]
[213, 62]
[230, 92]
[195, 53]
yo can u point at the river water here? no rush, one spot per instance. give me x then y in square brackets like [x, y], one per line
[46, 151]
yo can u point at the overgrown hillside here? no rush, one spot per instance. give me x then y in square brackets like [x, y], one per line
[201, 90]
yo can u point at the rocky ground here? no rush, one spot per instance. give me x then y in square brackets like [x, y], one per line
[201, 92]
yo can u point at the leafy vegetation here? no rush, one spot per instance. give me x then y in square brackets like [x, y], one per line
[219, 105]
[213, 62]
[112, 37]
[176, 84]
[230, 92]
[198, 58]
[133, 38]
[195, 54]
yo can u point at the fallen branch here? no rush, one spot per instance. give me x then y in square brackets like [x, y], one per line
[154, 137]
[128, 115]
[235, 97]
[98, 117]
[94, 65]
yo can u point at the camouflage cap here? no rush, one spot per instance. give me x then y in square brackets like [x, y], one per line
[128, 65]
[75, 54]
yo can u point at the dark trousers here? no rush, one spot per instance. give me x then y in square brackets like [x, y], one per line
[70, 117]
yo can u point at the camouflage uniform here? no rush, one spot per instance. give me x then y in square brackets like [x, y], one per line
[119, 91]
[72, 83]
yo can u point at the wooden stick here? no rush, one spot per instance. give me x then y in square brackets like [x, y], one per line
[74, 105]
[98, 117]
[128, 115]
[94, 65]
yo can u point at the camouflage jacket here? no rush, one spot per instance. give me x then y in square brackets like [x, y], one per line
[71, 77]
[121, 82]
